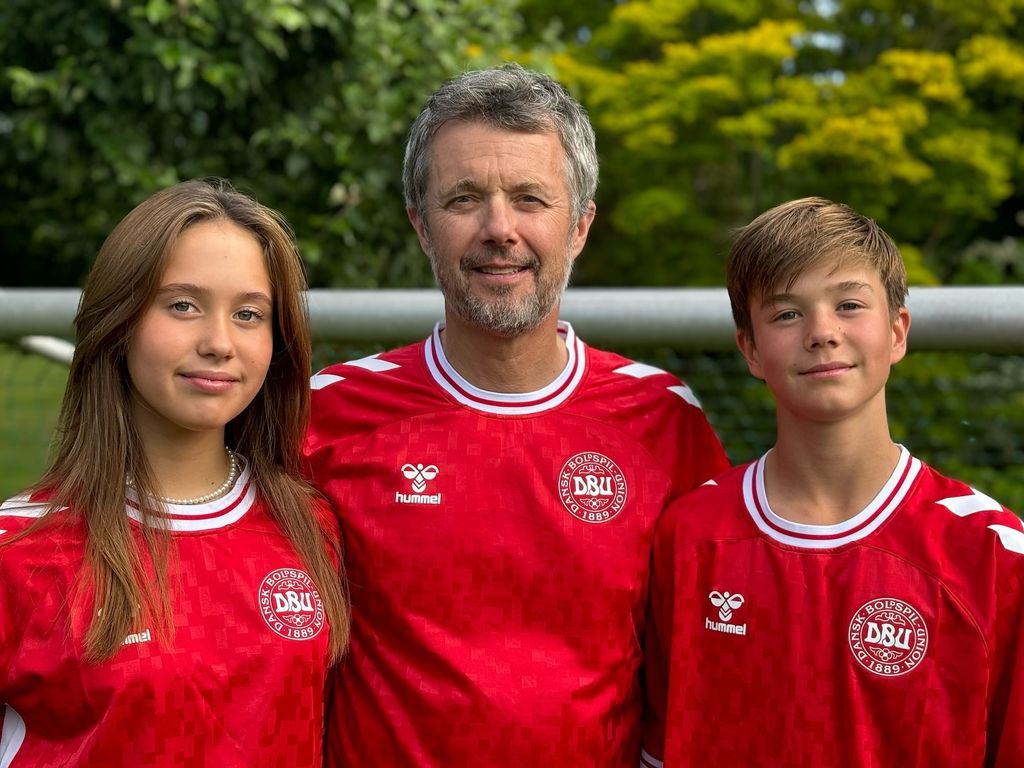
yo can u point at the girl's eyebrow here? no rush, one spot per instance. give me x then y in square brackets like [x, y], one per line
[191, 288]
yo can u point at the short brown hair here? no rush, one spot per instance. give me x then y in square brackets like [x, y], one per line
[782, 243]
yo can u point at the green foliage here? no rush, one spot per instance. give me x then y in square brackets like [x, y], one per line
[30, 394]
[711, 111]
[305, 103]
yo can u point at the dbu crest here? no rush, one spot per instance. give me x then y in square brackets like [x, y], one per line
[592, 487]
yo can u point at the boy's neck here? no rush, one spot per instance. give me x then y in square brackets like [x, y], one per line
[825, 474]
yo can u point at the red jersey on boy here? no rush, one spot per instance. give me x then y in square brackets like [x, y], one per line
[893, 638]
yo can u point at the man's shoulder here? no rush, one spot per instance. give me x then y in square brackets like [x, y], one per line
[359, 396]
[613, 376]
[370, 372]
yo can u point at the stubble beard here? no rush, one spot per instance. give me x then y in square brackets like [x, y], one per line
[501, 312]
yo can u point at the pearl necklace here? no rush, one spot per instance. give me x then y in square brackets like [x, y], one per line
[216, 493]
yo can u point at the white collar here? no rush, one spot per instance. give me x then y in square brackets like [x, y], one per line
[508, 403]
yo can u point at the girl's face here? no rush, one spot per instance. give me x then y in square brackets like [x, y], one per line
[202, 349]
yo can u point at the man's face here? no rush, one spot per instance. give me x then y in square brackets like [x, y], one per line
[498, 225]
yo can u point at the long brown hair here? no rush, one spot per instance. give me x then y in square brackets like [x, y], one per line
[96, 430]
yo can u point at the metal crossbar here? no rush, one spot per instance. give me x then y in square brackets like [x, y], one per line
[989, 318]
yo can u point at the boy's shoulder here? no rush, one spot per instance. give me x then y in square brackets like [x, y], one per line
[955, 522]
[714, 508]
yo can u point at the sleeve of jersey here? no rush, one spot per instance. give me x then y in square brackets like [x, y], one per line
[9, 622]
[1006, 721]
[657, 647]
[329, 420]
[688, 442]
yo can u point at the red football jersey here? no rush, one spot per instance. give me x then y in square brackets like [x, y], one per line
[891, 639]
[497, 547]
[240, 682]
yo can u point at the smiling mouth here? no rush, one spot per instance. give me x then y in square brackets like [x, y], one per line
[501, 271]
[821, 370]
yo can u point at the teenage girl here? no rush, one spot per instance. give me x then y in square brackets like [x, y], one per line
[170, 590]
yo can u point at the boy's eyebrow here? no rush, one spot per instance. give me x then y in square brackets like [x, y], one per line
[847, 286]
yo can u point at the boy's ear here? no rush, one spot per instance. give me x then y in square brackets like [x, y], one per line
[748, 349]
[900, 329]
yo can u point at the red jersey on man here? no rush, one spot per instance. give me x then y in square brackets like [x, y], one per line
[240, 683]
[891, 639]
[497, 548]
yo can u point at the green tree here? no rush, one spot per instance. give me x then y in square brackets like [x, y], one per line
[305, 103]
[710, 111]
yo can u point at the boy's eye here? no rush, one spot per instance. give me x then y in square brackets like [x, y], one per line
[789, 314]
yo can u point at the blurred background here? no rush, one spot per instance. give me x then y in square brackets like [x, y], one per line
[707, 113]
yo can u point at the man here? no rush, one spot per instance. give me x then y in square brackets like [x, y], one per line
[498, 483]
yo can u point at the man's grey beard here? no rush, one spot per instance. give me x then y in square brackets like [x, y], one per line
[501, 317]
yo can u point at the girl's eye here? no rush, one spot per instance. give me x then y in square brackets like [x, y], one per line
[181, 306]
[249, 315]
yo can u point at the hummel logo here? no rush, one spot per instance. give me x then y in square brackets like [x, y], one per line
[420, 476]
[726, 603]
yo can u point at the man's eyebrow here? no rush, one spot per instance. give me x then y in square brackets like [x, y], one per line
[459, 187]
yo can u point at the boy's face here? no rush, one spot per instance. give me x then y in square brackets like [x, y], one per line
[825, 345]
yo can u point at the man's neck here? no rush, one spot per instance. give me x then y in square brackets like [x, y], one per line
[523, 363]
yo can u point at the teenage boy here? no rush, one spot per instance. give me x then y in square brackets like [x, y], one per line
[836, 602]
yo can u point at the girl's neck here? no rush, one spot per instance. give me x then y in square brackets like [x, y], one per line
[187, 466]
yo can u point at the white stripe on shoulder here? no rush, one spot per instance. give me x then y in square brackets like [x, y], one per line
[710, 482]
[638, 370]
[647, 760]
[12, 736]
[1010, 538]
[687, 394]
[321, 380]
[20, 506]
[373, 363]
[962, 506]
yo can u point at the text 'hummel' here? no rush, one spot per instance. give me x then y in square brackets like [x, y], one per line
[420, 475]
[726, 603]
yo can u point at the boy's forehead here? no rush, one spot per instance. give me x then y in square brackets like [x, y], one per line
[845, 272]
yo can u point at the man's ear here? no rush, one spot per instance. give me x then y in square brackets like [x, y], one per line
[420, 225]
[582, 229]
[747, 347]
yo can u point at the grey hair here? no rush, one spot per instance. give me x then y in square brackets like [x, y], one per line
[514, 99]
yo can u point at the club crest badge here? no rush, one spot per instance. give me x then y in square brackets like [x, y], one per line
[592, 487]
[290, 604]
[888, 637]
